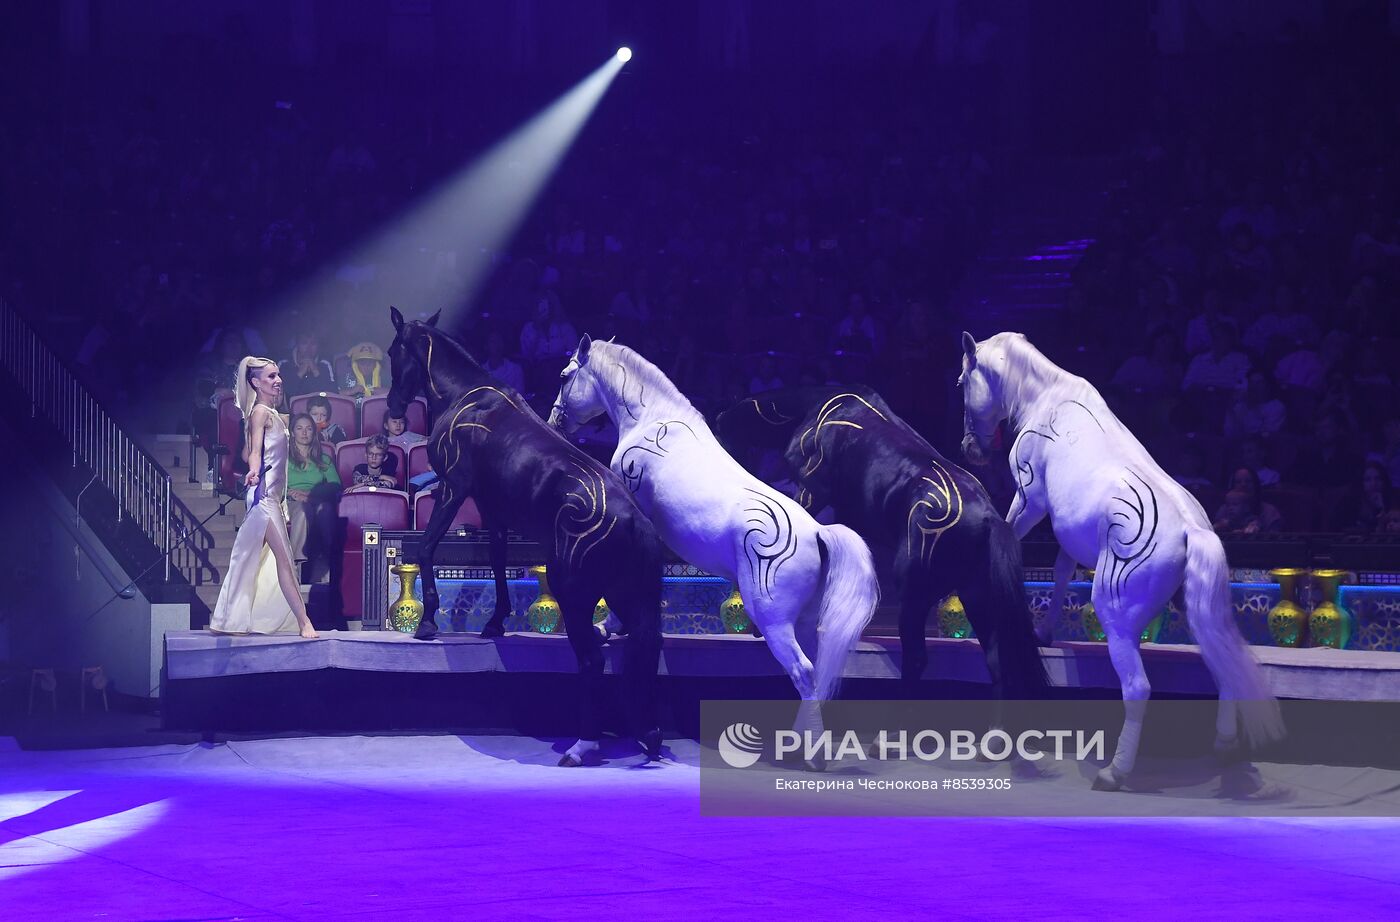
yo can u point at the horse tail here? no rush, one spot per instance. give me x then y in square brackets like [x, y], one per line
[849, 597]
[1227, 656]
[1013, 648]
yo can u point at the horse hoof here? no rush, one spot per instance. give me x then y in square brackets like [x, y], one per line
[427, 630]
[1228, 752]
[493, 629]
[651, 744]
[1108, 779]
[591, 757]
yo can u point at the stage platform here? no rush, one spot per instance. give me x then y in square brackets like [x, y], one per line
[1319, 673]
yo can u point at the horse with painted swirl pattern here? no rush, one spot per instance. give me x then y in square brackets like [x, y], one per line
[1114, 509]
[798, 579]
[933, 521]
[488, 444]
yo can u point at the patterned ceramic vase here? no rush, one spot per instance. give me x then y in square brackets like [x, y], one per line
[733, 614]
[406, 611]
[1330, 624]
[952, 619]
[1154, 627]
[601, 611]
[1288, 621]
[543, 615]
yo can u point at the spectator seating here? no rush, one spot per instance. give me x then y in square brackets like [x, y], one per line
[418, 460]
[343, 411]
[425, 502]
[376, 408]
[229, 444]
[352, 452]
[1296, 506]
[386, 508]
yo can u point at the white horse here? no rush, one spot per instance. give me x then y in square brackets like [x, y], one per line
[796, 576]
[1112, 508]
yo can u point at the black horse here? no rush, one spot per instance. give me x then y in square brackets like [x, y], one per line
[845, 448]
[488, 444]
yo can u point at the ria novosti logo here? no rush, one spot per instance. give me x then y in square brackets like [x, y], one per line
[740, 745]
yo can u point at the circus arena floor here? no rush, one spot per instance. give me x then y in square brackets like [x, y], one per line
[407, 827]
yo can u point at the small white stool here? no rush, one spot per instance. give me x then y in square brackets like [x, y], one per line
[97, 678]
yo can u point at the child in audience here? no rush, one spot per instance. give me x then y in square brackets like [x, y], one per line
[380, 468]
[319, 409]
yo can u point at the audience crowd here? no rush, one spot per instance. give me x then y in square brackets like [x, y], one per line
[1238, 297]
[1252, 252]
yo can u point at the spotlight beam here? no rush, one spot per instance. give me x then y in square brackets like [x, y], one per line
[440, 252]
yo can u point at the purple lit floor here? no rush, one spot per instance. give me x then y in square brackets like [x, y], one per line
[486, 827]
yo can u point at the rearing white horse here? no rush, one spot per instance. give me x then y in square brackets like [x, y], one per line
[796, 576]
[1112, 508]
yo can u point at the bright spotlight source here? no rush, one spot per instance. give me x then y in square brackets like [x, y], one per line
[624, 54]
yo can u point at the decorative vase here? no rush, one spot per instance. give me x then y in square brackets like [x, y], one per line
[952, 619]
[733, 614]
[543, 615]
[1090, 619]
[1330, 624]
[601, 611]
[406, 611]
[1154, 627]
[1288, 621]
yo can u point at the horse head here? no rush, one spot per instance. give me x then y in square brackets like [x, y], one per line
[580, 398]
[983, 407]
[409, 360]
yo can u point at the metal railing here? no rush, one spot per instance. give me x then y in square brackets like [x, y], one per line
[138, 483]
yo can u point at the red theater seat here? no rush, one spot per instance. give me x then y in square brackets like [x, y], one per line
[375, 409]
[418, 460]
[343, 411]
[351, 453]
[386, 508]
[426, 502]
[230, 437]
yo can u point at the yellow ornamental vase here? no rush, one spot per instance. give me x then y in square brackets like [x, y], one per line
[1288, 621]
[543, 615]
[734, 615]
[601, 611]
[952, 619]
[406, 612]
[1330, 624]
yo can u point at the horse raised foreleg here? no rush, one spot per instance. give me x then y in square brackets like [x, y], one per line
[496, 627]
[442, 517]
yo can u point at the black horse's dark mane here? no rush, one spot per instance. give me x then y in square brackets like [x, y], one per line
[416, 334]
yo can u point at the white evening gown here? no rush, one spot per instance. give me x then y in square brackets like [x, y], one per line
[251, 600]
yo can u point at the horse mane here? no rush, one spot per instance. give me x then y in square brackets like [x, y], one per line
[635, 380]
[422, 333]
[1028, 376]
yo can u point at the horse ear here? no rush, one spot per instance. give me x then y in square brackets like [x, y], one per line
[432, 321]
[397, 318]
[583, 346]
[969, 349]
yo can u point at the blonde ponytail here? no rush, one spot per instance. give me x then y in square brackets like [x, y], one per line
[243, 393]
